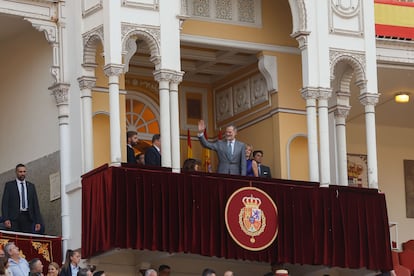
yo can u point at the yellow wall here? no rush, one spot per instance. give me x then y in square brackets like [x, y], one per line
[276, 27]
[100, 106]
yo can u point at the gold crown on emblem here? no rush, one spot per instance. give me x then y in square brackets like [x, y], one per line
[250, 201]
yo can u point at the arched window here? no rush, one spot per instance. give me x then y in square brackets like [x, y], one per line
[142, 115]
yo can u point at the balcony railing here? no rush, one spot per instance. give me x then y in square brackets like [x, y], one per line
[141, 208]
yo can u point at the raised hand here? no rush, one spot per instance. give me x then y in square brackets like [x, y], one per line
[201, 126]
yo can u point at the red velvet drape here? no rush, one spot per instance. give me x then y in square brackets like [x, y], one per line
[159, 210]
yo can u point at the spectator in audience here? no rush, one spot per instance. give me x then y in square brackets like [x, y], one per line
[208, 272]
[191, 165]
[140, 157]
[53, 269]
[84, 272]
[251, 164]
[36, 267]
[153, 154]
[151, 272]
[230, 153]
[99, 273]
[20, 206]
[264, 171]
[228, 273]
[3, 266]
[164, 270]
[132, 140]
[274, 266]
[71, 265]
[2, 254]
[18, 266]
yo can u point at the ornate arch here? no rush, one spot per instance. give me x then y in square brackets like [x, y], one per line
[90, 41]
[299, 16]
[354, 59]
[150, 35]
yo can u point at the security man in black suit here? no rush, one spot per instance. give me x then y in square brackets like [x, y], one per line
[264, 171]
[20, 206]
[153, 154]
[132, 140]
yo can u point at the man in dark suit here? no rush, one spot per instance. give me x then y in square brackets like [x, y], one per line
[132, 140]
[20, 206]
[153, 154]
[230, 152]
[264, 171]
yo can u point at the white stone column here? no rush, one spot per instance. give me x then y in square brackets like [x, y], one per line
[341, 113]
[369, 100]
[86, 84]
[175, 119]
[310, 94]
[113, 71]
[325, 171]
[163, 76]
[61, 93]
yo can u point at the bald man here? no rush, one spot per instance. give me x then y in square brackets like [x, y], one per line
[228, 273]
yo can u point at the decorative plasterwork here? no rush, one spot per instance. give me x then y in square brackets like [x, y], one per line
[239, 96]
[353, 58]
[346, 17]
[61, 93]
[168, 75]
[91, 6]
[145, 84]
[130, 49]
[113, 69]
[147, 4]
[341, 111]
[49, 28]
[149, 34]
[369, 99]
[310, 93]
[240, 12]
[90, 41]
[299, 17]
[268, 68]
[86, 82]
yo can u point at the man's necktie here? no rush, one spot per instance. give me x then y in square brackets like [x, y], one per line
[229, 151]
[23, 196]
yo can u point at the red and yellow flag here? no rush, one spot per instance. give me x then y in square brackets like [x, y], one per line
[189, 147]
[206, 155]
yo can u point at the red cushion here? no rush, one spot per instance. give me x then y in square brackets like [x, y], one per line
[401, 271]
[408, 245]
[407, 259]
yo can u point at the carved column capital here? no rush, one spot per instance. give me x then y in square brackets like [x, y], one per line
[86, 82]
[324, 93]
[342, 111]
[309, 93]
[369, 99]
[61, 93]
[168, 75]
[113, 69]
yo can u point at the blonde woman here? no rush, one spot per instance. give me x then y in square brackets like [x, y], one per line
[53, 269]
[251, 164]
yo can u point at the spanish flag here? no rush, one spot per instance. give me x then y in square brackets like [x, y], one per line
[189, 147]
[206, 155]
